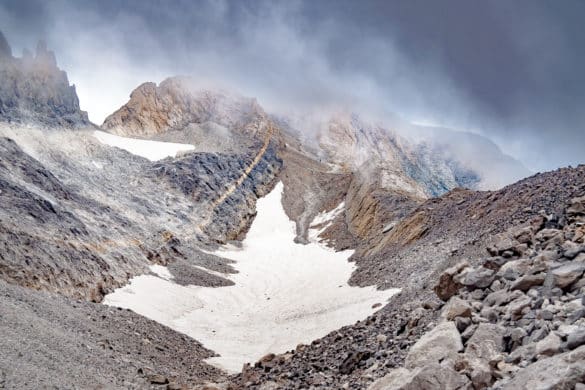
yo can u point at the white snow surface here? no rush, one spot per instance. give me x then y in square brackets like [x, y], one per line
[284, 294]
[152, 150]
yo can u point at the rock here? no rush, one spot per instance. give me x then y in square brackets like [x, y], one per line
[576, 338]
[516, 307]
[430, 377]
[381, 338]
[547, 234]
[576, 207]
[546, 315]
[442, 342]
[494, 263]
[548, 346]
[571, 249]
[523, 234]
[527, 281]
[539, 334]
[547, 256]
[456, 307]
[524, 353]
[36, 90]
[496, 285]
[576, 315]
[469, 331]
[158, 379]
[489, 314]
[561, 371]
[352, 361]
[566, 274]
[447, 286]
[486, 336]
[480, 278]
[515, 337]
[502, 242]
[516, 268]
[501, 297]
[462, 323]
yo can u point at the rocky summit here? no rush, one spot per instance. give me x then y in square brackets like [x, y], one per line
[114, 239]
[34, 89]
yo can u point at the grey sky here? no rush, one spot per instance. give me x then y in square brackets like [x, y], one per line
[512, 70]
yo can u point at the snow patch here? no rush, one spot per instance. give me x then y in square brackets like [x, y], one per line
[284, 294]
[322, 221]
[151, 150]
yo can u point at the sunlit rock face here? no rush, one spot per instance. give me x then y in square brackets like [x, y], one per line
[34, 89]
[177, 104]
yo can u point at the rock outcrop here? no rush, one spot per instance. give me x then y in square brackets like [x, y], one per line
[34, 89]
[177, 104]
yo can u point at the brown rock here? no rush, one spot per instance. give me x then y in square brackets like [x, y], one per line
[447, 286]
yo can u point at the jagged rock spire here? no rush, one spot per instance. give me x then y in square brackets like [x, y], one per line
[34, 89]
[5, 50]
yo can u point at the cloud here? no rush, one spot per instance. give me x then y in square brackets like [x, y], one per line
[507, 70]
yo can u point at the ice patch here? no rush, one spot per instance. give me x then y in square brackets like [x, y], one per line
[152, 150]
[284, 294]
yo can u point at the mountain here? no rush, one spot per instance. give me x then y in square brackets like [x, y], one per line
[491, 276]
[34, 89]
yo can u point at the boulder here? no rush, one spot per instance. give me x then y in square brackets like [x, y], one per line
[503, 242]
[572, 249]
[479, 278]
[561, 371]
[482, 353]
[548, 346]
[447, 286]
[548, 234]
[516, 307]
[526, 282]
[576, 207]
[456, 307]
[567, 274]
[442, 342]
[501, 297]
[430, 377]
[576, 338]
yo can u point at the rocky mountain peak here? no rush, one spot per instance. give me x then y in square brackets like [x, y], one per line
[5, 49]
[177, 103]
[34, 89]
[45, 56]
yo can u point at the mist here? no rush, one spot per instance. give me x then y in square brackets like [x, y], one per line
[509, 71]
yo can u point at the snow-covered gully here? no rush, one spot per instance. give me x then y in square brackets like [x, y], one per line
[284, 294]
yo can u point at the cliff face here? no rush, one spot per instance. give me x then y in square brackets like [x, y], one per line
[34, 89]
